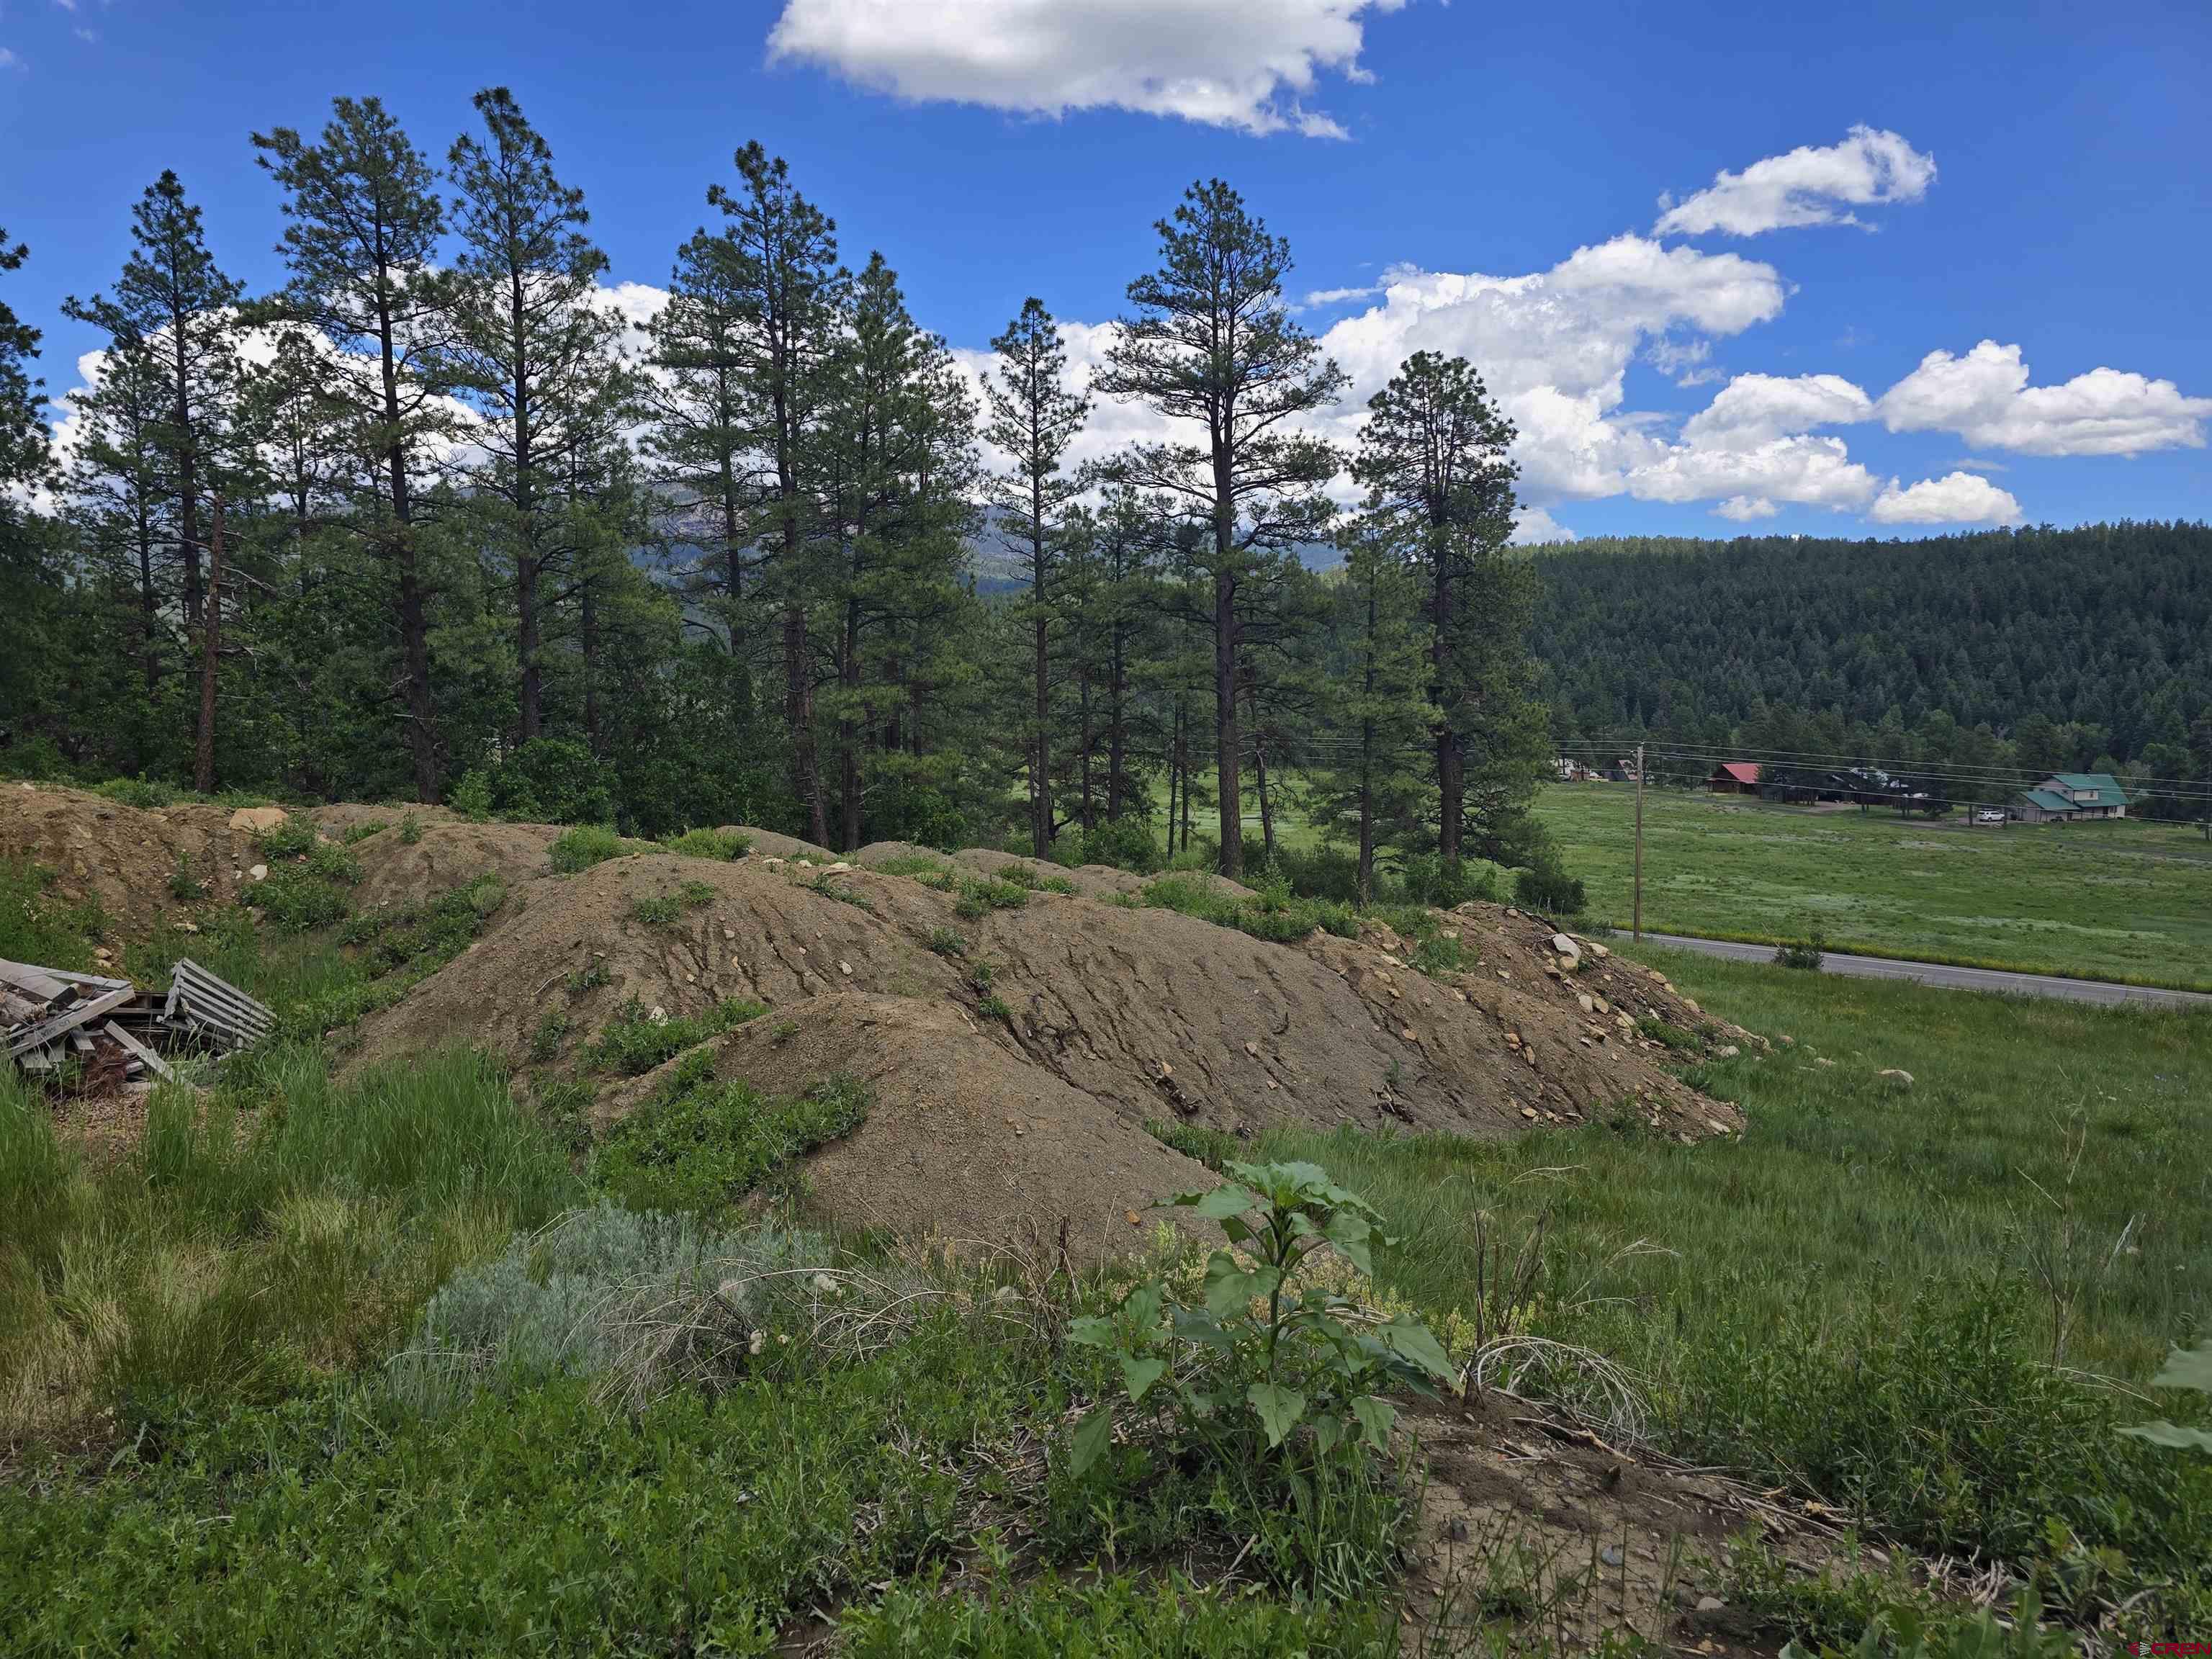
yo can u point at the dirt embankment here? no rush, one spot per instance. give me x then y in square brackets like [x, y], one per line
[1015, 1055]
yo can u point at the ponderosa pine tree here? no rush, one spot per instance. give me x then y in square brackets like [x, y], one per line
[1432, 458]
[1210, 342]
[23, 456]
[1033, 418]
[531, 352]
[120, 505]
[1378, 718]
[784, 276]
[172, 302]
[698, 439]
[363, 248]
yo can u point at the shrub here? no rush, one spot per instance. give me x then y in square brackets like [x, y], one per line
[552, 781]
[1549, 891]
[185, 886]
[1809, 952]
[1672, 1036]
[139, 791]
[472, 797]
[582, 846]
[980, 896]
[36, 925]
[1126, 843]
[1276, 914]
[703, 1143]
[297, 899]
[363, 830]
[410, 828]
[727, 845]
[947, 942]
[293, 838]
[634, 1042]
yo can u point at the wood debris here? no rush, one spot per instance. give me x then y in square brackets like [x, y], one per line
[88, 1033]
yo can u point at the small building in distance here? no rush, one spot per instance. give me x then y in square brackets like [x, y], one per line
[2070, 797]
[1734, 778]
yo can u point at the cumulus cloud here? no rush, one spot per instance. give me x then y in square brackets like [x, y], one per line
[1955, 498]
[1247, 65]
[1801, 469]
[1807, 186]
[1532, 525]
[1752, 409]
[1554, 346]
[1985, 399]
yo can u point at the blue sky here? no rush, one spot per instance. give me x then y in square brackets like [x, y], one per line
[1900, 181]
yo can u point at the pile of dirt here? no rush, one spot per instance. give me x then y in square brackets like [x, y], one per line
[130, 860]
[1015, 1055]
[1036, 1042]
[1527, 1514]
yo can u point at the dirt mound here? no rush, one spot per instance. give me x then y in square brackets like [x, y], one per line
[446, 854]
[125, 858]
[768, 844]
[1091, 880]
[966, 1142]
[1081, 1018]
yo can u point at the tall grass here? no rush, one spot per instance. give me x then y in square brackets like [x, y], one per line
[275, 1225]
[1891, 1298]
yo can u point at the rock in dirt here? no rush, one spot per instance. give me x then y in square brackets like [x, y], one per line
[1896, 1077]
[257, 820]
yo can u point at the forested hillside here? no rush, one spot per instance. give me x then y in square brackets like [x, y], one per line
[2039, 648]
[433, 519]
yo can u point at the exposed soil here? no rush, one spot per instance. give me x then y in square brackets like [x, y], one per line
[1114, 1017]
[1016, 1057]
[124, 857]
[1528, 1520]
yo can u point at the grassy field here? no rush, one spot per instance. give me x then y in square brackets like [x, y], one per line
[2124, 900]
[383, 1367]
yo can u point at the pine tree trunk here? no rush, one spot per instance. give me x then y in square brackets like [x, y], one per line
[1116, 731]
[1225, 736]
[1088, 816]
[210, 654]
[1451, 792]
[587, 643]
[1260, 772]
[188, 542]
[1175, 771]
[848, 728]
[414, 621]
[1040, 743]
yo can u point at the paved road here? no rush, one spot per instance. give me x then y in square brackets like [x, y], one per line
[1962, 979]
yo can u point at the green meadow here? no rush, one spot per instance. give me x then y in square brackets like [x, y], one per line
[2124, 901]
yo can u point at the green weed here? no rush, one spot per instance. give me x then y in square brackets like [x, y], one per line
[634, 1042]
[581, 845]
[724, 845]
[702, 1143]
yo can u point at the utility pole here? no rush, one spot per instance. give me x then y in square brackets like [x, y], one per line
[1638, 922]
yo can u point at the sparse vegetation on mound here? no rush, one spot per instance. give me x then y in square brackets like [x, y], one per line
[341, 1313]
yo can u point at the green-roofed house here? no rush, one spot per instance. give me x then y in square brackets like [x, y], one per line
[2070, 797]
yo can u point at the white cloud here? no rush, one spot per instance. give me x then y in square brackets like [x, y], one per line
[1807, 186]
[1248, 64]
[1554, 346]
[1801, 469]
[1755, 409]
[1955, 498]
[1321, 297]
[1533, 524]
[8, 60]
[1985, 399]
[1744, 508]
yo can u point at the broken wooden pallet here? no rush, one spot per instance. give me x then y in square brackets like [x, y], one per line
[204, 1003]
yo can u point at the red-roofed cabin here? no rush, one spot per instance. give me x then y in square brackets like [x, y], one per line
[1734, 778]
